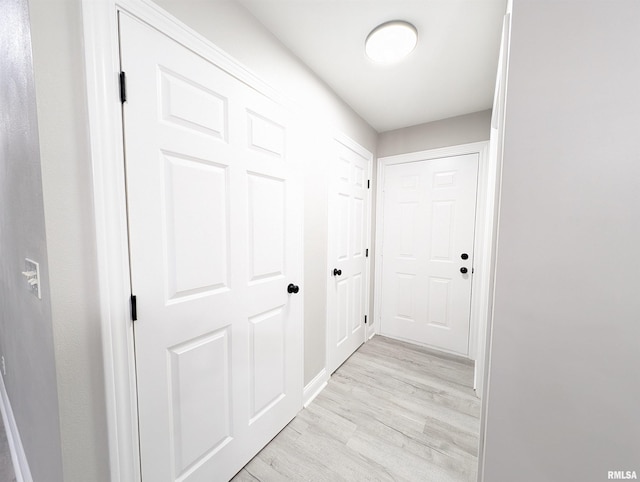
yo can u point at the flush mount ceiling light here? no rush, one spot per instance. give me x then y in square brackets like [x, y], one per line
[391, 41]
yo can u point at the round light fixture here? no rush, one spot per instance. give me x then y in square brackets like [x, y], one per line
[391, 41]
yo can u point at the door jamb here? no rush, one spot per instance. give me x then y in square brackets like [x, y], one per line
[102, 68]
[482, 231]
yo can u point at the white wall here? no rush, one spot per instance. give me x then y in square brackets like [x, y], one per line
[237, 32]
[453, 131]
[66, 177]
[564, 387]
[26, 337]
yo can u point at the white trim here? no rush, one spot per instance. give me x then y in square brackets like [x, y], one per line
[18, 457]
[105, 130]
[498, 121]
[483, 226]
[480, 262]
[314, 387]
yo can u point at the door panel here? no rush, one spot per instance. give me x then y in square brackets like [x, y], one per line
[215, 239]
[429, 218]
[347, 296]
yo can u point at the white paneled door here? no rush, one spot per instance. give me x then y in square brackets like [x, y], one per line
[427, 253]
[215, 241]
[347, 296]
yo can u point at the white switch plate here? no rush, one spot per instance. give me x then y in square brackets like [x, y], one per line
[32, 274]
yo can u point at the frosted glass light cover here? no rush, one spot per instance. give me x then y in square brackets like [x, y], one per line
[391, 41]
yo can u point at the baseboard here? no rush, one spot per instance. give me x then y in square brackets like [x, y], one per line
[18, 457]
[314, 387]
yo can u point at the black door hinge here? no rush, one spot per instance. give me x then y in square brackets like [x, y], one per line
[123, 87]
[365, 319]
[368, 184]
[134, 308]
[366, 253]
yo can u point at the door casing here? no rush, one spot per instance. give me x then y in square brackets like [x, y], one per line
[479, 286]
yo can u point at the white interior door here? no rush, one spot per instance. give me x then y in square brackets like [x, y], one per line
[427, 251]
[347, 295]
[215, 240]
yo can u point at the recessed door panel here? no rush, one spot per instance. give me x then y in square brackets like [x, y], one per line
[439, 301]
[405, 296]
[357, 304]
[200, 397]
[266, 135]
[342, 318]
[343, 227]
[266, 226]
[180, 96]
[408, 224]
[196, 223]
[442, 225]
[267, 360]
[357, 227]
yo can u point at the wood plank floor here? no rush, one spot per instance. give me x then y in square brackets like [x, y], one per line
[393, 412]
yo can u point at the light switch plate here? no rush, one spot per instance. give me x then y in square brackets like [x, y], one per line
[32, 274]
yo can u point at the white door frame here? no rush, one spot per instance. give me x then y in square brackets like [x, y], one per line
[358, 149]
[102, 66]
[482, 237]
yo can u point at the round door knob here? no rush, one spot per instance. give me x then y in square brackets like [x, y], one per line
[337, 272]
[292, 288]
[464, 256]
[463, 270]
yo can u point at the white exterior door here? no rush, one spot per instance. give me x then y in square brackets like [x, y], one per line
[348, 288]
[427, 253]
[215, 240]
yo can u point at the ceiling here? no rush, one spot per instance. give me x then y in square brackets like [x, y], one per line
[451, 72]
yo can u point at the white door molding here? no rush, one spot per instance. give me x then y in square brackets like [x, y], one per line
[102, 67]
[482, 231]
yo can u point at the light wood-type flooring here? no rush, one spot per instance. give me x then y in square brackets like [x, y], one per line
[392, 412]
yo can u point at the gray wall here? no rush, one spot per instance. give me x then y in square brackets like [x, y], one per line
[26, 338]
[432, 135]
[236, 31]
[564, 387]
[66, 176]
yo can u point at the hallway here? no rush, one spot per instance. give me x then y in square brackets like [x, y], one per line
[393, 411]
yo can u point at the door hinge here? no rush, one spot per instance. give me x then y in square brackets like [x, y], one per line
[368, 183]
[123, 87]
[365, 319]
[366, 253]
[134, 308]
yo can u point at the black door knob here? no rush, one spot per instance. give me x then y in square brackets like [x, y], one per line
[292, 288]
[464, 256]
[337, 272]
[463, 270]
